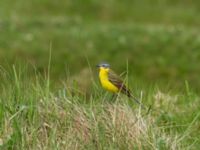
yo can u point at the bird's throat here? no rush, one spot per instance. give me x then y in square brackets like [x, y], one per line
[103, 74]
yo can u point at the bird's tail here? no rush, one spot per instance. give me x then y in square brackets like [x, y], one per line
[130, 95]
[137, 101]
[141, 105]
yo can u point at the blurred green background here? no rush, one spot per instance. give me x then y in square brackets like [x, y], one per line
[159, 39]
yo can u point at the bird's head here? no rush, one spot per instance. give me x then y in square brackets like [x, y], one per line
[103, 66]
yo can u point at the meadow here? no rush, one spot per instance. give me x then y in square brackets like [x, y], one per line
[50, 94]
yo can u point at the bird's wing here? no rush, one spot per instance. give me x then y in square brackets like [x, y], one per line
[115, 79]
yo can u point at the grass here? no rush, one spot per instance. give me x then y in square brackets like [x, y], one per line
[33, 116]
[58, 103]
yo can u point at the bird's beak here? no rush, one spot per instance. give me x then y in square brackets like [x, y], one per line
[97, 66]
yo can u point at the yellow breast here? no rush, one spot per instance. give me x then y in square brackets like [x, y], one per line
[106, 84]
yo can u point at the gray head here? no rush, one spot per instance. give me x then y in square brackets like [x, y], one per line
[104, 65]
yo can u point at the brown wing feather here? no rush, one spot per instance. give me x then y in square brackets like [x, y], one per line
[115, 79]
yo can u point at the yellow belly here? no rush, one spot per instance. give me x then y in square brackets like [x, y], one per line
[106, 84]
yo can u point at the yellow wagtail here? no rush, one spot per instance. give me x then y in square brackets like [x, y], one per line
[111, 82]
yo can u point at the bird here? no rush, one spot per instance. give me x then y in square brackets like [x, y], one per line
[112, 82]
